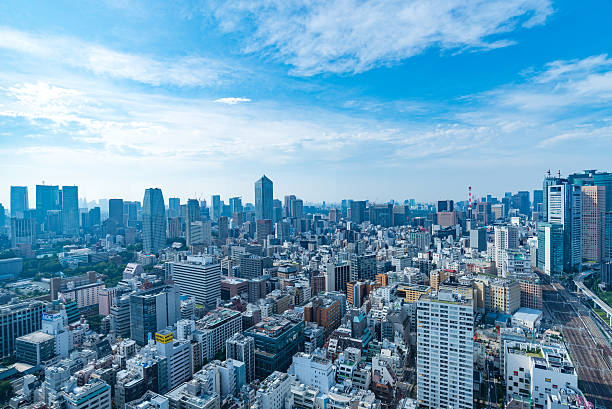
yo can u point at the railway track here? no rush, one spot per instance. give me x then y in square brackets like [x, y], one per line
[588, 348]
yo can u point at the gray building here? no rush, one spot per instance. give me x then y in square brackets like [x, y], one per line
[478, 239]
[242, 348]
[17, 320]
[70, 210]
[35, 348]
[200, 280]
[153, 310]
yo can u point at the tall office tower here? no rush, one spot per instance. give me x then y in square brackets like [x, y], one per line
[201, 280]
[94, 216]
[17, 320]
[446, 206]
[565, 208]
[298, 208]
[264, 229]
[524, 205]
[548, 181]
[115, 211]
[192, 215]
[607, 255]
[70, 210]
[605, 179]
[363, 267]
[47, 198]
[358, 211]
[263, 198]
[152, 310]
[199, 233]
[130, 212]
[235, 204]
[593, 222]
[153, 221]
[483, 213]
[215, 207]
[506, 238]
[550, 248]
[2, 217]
[445, 352]
[538, 198]
[242, 348]
[19, 201]
[23, 231]
[223, 228]
[174, 207]
[288, 202]
[277, 211]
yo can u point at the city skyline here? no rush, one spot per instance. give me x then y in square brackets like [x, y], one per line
[117, 96]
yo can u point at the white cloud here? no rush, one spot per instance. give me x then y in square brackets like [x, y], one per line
[352, 36]
[181, 71]
[232, 100]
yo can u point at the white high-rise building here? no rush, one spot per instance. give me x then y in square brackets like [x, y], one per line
[506, 238]
[242, 348]
[201, 279]
[445, 351]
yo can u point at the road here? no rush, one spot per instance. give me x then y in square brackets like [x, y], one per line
[588, 348]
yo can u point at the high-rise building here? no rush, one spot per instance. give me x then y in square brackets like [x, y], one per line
[94, 217]
[548, 181]
[550, 248]
[593, 222]
[235, 204]
[363, 267]
[201, 279]
[152, 310]
[17, 320]
[565, 208]
[47, 198]
[70, 210]
[153, 221]
[192, 215]
[263, 198]
[445, 352]
[506, 238]
[445, 206]
[23, 231]
[242, 348]
[478, 239]
[538, 198]
[174, 207]
[115, 211]
[358, 211]
[264, 229]
[215, 207]
[524, 205]
[337, 275]
[223, 223]
[19, 201]
[277, 339]
[607, 254]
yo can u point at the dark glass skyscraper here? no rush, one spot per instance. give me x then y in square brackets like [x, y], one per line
[115, 211]
[47, 198]
[263, 198]
[153, 221]
[70, 210]
[19, 201]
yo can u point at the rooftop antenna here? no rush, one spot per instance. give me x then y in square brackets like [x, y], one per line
[559, 173]
[548, 173]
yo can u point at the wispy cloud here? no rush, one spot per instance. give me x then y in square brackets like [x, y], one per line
[352, 36]
[232, 100]
[181, 71]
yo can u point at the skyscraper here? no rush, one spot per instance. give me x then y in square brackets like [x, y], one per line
[235, 204]
[593, 222]
[47, 198]
[550, 248]
[154, 221]
[564, 207]
[192, 215]
[263, 198]
[215, 207]
[506, 238]
[115, 211]
[70, 210]
[445, 355]
[19, 201]
[548, 181]
[174, 207]
[358, 210]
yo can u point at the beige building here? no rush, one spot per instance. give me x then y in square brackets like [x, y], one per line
[593, 223]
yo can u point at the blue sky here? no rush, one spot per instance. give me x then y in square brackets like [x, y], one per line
[333, 99]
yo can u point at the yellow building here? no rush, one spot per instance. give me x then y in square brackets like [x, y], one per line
[411, 292]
